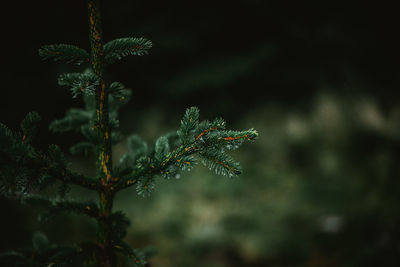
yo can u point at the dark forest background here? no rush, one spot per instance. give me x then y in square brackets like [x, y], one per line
[318, 80]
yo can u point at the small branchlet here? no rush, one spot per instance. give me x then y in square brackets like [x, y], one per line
[135, 256]
[64, 52]
[55, 206]
[79, 83]
[123, 47]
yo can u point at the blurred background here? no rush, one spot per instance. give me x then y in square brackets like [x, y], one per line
[319, 81]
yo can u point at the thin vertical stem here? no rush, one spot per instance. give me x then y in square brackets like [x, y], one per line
[107, 257]
[97, 59]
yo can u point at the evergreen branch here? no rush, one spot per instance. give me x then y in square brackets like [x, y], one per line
[54, 165]
[20, 172]
[13, 258]
[79, 83]
[54, 207]
[207, 139]
[6, 137]
[40, 242]
[89, 132]
[119, 91]
[81, 180]
[123, 47]
[231, 140]
[186, 163]
[24, 168]
[161, 148]
[146, 168]
[205, 127]
[84, 148]
[222, 163]
[43, 253]
[136, 149]
[64, 52]
[145, 185]
[189, 123]
[119, 96]
[119, 224]
[69, 255]
[133, 254]
[29, 126]
[74, 119]
[57, 170]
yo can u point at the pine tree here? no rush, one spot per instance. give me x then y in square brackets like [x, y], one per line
[26, 171]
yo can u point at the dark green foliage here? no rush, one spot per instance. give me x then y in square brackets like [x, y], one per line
[123, 47]
[23, 168]
[208, 140]
[84, 148]
[29, 125]
[119, 224]
[40, 242]
[220, 162]
[27, 171]
[84, 120]
[145, 185]
[136, 257]
[56, 206]
[189, 123]
[73, 121]
[79, 83]
[136, 149]
[64, 52]
[43, 253]
[120, 95]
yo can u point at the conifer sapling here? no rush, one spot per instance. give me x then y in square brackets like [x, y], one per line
[27, 171]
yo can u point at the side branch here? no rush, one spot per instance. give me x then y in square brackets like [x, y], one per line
[151, 168]
[208, 140]
[172, 158]
[61, 173]
[56, 206]
[81, 180]
[64, 52]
